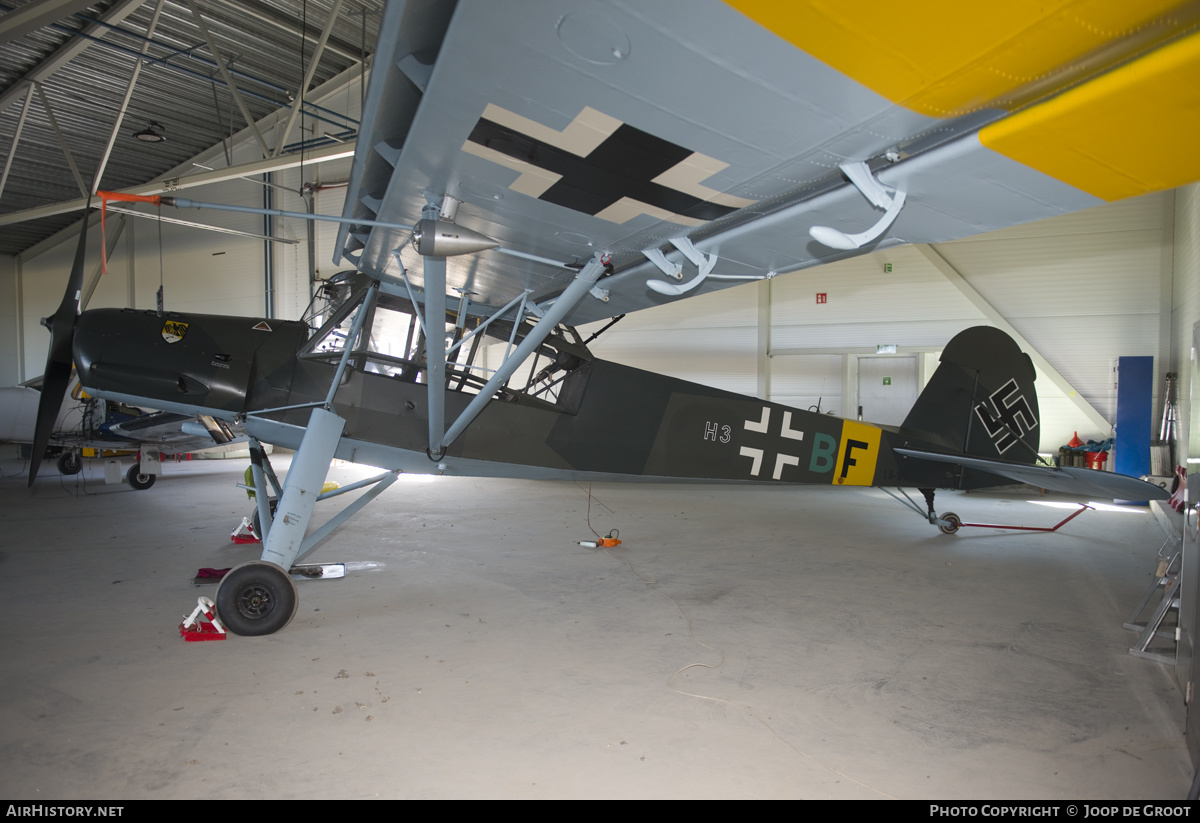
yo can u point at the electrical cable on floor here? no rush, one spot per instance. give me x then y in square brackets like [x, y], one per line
[23, 470]
[691, 632]
[613, 538]
[80, 484]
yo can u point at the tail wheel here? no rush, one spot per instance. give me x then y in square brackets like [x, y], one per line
[953, 521]
[70, 463]
[138, 480]
[256, 598]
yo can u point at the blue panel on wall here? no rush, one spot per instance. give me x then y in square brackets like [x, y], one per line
[1131, 446]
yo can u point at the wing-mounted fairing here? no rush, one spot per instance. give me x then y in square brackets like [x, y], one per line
[703, 143]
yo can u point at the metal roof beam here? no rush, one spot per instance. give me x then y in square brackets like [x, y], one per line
[254, 10]
[68, 51]
[165, 186]
[37, 15]
[133, 78]
[233, 89]
[62, 140]
[190, 54]
[12, 150]
[314, 61]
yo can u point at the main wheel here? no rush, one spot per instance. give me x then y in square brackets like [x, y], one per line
[256, 598]
[138, 480]
[70, 463]
[954, 521]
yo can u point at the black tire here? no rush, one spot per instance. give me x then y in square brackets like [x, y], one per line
[137, 480]
[256, 598]
[256, 521]
[954, 521]
[70, 463]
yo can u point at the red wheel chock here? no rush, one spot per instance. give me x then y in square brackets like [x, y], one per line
[244, 533]
[195, 628]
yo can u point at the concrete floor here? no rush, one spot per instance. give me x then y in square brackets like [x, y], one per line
[741, 643]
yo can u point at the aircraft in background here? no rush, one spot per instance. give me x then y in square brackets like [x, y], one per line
[525, 169]
[86, 422]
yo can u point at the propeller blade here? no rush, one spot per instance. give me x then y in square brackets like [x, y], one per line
[57, 376]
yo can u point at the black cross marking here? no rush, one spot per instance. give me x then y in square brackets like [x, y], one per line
[624, 165]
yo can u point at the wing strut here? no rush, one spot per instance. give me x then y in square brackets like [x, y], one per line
[435, 351]
[579, 288]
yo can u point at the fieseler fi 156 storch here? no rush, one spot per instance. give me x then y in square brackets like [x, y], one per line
[527, 168]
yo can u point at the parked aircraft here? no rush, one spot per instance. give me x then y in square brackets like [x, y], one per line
[552, 164]
[86, 422]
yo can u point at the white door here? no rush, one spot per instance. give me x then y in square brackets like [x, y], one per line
[887, 388]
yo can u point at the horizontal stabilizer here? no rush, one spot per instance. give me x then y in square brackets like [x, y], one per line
[1089, 482]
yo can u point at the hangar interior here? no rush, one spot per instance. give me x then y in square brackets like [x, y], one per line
[796, 642]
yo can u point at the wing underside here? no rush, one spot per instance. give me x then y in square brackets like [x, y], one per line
[565, 128]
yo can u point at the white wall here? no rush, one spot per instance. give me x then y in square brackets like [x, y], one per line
[709, 339]
[1083, 289]
[1185, 312]
[10, 336]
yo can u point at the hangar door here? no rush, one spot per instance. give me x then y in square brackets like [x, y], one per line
[887, 388]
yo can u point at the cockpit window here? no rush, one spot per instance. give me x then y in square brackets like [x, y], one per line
[390, 341]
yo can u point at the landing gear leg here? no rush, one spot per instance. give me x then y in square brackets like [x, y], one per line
[302, 487]
[929, 502]
[264, 502]
[947, 523]
[70, 463]
[261, 599]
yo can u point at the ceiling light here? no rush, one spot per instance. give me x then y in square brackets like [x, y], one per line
[153, 133]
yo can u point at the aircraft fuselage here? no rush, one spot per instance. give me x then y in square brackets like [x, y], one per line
[607, 419]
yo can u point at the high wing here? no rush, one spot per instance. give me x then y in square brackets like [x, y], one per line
[692, 137]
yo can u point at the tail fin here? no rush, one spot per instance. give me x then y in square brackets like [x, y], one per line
[980, 414]
[981, 400]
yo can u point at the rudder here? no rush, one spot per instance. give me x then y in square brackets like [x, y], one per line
[981, 401]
